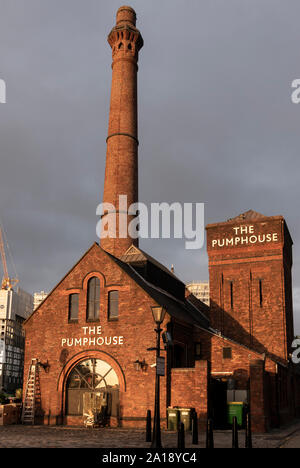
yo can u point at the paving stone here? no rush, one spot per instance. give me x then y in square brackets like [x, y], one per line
[20, 436]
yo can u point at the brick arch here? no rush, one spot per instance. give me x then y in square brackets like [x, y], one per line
[96, 354]
[81, 356]
[91, 275]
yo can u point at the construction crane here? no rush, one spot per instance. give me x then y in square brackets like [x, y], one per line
[7, 282]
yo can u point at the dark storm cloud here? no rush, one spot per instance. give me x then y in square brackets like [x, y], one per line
[216, 122]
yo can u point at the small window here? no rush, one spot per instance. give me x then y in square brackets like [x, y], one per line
[227, 353]
[260, 293]
[113, 305]
[197, 351]
[93, 299]
[73, 307]
[231, 294]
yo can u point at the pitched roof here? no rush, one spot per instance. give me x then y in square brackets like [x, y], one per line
[183, 310]
[249, 215]
[135, 255]
[56, 286]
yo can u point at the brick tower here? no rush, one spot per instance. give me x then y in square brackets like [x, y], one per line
[121, 172]
[250, 261]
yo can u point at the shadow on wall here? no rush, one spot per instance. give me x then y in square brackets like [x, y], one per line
[231, 328]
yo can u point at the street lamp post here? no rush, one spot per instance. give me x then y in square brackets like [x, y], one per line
[158, 316]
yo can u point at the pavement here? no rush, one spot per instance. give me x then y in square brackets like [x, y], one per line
[20, 436]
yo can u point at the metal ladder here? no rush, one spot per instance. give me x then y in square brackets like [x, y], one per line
[28, 411]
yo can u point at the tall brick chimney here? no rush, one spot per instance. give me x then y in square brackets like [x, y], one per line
[121, 172]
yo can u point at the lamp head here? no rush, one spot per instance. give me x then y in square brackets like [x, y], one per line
[158, 313]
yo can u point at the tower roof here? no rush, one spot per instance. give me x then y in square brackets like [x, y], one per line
[126, 14]
[249, 215]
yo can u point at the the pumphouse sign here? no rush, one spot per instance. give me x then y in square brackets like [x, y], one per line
[245, 235]
[92, 336]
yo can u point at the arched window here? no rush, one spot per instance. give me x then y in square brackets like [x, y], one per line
[113, 305]
[73, 307]
[93, 299]
[92, 385]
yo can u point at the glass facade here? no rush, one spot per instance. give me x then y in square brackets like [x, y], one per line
[12, 341]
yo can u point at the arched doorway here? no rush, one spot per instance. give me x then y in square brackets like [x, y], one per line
[93, 385]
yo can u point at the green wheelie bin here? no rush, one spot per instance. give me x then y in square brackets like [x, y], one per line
[235, 408]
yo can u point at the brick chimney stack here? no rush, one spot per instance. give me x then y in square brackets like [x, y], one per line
[121, 172]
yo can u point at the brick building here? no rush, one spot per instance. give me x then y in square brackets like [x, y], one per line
[200, 290]
[16, 305]
[93, 331]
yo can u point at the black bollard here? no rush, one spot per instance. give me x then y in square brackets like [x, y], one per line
[235, 439]
[148, 427]
[248, 439]
[209, 434]
[180, 436]
[195, 429]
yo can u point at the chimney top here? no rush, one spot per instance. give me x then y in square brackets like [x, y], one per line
[126, 14]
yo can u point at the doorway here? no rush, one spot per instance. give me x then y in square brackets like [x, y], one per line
[218, 403]
[93, 388]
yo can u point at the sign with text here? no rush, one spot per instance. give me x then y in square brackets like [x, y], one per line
[92, 336]
[245, 235]
[160, 366]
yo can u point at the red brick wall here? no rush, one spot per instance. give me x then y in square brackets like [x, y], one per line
[238, 311]
[212, 350]
[49, 325]
[189, 389]
[258, 395]
[260, 384]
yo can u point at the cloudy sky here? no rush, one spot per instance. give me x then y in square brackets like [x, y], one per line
[216, 122]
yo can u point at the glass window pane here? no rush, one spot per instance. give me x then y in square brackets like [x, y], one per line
[74, 402]
[91, 289]
[74, 379]
[73, 306]
[90, 310]
[96, 309]
[93, 298]
[101, 384]
[101, 367]
[112, 379]
[90, 378]
[113, 304]
[97, 289]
